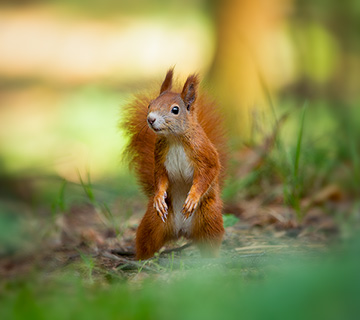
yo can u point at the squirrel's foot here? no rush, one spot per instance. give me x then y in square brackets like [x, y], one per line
[161, 206]
[190, 205]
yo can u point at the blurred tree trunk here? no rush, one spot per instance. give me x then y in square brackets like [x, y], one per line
[251, 50]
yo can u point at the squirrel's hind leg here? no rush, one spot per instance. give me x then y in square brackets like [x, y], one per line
[208, 229]
[150, 235]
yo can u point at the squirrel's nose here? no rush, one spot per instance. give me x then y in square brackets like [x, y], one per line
[151, 120]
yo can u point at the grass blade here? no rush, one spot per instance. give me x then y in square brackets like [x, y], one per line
[299, 141]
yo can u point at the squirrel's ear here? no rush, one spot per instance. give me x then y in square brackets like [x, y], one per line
[189, 91]
[167, 84]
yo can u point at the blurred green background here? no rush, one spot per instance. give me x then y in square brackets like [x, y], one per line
[67, 67]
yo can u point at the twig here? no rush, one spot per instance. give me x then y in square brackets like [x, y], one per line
[251, 255]
[132, 253]
[261, 247]
[123, 252]
[177, 249]
[127, 261]
[279, 246]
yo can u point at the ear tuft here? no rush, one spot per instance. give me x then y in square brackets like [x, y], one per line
[189, 92]
[167, 84]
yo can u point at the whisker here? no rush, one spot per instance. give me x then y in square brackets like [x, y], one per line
[168, 127]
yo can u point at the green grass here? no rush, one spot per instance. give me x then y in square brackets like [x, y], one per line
[308, 155]
[59, 203]
[229, 220]
[325, 287]
[87, 187]
[10, 228]
[293, 189]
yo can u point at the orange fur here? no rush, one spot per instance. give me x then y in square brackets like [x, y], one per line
[139, 152]
[199, 132]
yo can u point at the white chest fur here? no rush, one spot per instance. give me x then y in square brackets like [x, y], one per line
[178, 165]
[180, 172]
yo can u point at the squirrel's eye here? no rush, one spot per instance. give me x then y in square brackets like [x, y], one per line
[175, 110]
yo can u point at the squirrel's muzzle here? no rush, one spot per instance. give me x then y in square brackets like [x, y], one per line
[151, 120]
[155, 121]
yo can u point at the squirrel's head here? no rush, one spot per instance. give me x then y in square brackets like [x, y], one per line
[173, 113]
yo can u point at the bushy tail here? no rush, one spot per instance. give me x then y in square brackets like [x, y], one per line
[212, 122]
[141, 146]
[139, 152]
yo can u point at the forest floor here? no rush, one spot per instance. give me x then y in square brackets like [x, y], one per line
[87, 238]
[291, 215]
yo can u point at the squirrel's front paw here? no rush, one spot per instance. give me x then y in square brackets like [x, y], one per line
[161, 206]
[190, 205]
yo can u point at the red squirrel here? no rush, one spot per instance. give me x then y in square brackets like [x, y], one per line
[177, 147]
